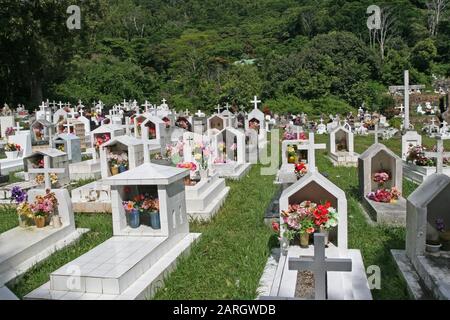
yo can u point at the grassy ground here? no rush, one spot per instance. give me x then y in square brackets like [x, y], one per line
[228, 260]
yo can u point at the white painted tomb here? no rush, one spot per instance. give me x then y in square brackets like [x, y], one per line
[53, 160]
[22, 248]
[134, 262]
[23, 139]
[228, 149]
[70, 144]
[341, 148]
[280, 282]
[204, 199]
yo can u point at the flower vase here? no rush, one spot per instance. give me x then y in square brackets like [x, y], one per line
[122, 169]
[155, 220]
[134, 219]
[11, 155]
[203, 174]
[39, 221]
[326, 233]
[56, 221]
[114, 171]
[23, 222]
[304, 240]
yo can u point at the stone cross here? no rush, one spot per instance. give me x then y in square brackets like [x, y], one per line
[60, 104]
[73, 113]
[406, 89]
[227, 106]
[255, 102]
[311, 147]
[81, 112]
[47, 171]
[199, 113]
[42, 106]
[164, 101]
[218, 109]
[319, 264]
[439, 155]
[433, 121]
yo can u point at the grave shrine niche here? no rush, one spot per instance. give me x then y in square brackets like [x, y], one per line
[227, 147]
[140, 194]
[240, 120]
[341, 141]
[384, 162]
[216, 122]
[183, 123]
[137, 121]
[41, 132]
[57, 158]
[151, 129]
[254, 124]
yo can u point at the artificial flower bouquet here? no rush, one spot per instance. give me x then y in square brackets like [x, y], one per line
[306, 218]
[11, 147]
[300, 170]
[101, 139]
[416, 155]
[201, 153]
[40, 179]
[10, 131]
[42, 208]
[382, 194]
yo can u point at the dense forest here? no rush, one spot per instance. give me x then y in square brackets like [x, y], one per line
[311, 55]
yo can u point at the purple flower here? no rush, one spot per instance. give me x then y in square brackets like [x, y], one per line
[18, 195]
[440, 225]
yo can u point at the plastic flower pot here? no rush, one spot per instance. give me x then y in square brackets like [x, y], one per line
[134, 219]
[39, 221]
[324, 231]
[304, 240]
[155, 221]
[122, 168]
[114, 171]
[433, 247]
[11, 155]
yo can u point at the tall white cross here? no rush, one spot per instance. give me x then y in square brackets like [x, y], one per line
[255, 102]
[60, 104]
[218, 109]
[406, 89]
[199, 113]
[46, 171]
[439, 155]
[81, 112]
[376, 133]
[320, 265]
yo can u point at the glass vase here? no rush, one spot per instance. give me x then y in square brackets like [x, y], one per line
[134, 219]
[155, 221]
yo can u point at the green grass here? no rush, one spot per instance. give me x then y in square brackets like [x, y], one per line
[8, 218]
[100, 226]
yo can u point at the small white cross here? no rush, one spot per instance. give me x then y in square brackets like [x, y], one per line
[439, 155]
[60, 104]
[255, 102]
[47, 171]
[311, 147]
[199, 113]
[42, 106]
[218, 109]
[146, 105]
[81, 112]
[164, 101]
[72, 113]
[69, 125]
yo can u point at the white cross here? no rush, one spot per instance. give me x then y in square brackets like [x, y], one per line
[186, 112]
[321, 121]
[199, 113]
[227, 106]
[376, 133]
[47, 171]
[439, 155]
[60, 104]
[72, 113]
[319, 264]
[311, 147]
[42, 106]
[218, 109]
[433, 121]
[81, 112]
[164, 101]
[255, 102]
[69, 125]
[406, 88]
[146, 105]
[54, 104]
[17, 128]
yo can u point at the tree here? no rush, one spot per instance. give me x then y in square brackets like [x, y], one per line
[386, 32]
[436, 9]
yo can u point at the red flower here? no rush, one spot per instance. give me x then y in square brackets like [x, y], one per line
[321, 214]
[276, 226]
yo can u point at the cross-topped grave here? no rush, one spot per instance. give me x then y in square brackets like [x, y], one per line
[17, 128]
[218, 109]
[439, 155]
[406, 88]
[69, 125]
[146, 105]
[319, 264]
[311, 147]
[47, 171]
[376, 133]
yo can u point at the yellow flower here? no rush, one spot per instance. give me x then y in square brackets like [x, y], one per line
[198, 156]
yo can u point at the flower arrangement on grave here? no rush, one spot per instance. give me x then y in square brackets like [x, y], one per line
[416, 155]
[175, 152]
[101, 139]
[292, 154]
[151, 133]
[38, 163]
[192, 167]
[383, 194]
[40, 179]
[183, 123]
[23, 209]
[38, 132]
[12, 147]
[118, 163]
[42, 208]
[300, 170]
[10, 131]
[444, 235]
[301, 220]
[61, 147]
[341, 145]
[142, 204]
[201, 153]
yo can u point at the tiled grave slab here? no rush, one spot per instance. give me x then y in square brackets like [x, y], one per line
[387, 213]
[144, 287]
